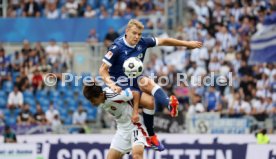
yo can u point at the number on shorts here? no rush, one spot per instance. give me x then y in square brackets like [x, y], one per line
[135, 134]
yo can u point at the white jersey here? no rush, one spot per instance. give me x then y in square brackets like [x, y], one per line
[120, 106]
[128, 134]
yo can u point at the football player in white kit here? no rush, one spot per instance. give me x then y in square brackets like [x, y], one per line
[129, 136]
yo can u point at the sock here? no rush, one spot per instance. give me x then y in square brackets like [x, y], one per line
[160, 97]
[148, 116]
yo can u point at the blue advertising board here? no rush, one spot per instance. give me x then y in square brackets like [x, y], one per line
[72, 30]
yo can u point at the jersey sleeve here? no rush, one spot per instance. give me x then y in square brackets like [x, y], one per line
[123, 96]
[111, 55]
[151, 41]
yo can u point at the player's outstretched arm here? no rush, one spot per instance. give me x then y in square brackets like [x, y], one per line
[175, 42]
[103, 71]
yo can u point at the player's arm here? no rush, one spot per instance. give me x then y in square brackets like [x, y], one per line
[124, 96]
[103, 71]
[108, 60]
[175, 42]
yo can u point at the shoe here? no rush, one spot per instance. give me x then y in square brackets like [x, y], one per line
[155, 144]
[174, 106]
[148, 140]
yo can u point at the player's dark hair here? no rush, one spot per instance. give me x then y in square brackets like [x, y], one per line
[92, 90]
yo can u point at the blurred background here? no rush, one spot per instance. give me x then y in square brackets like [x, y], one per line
[71, 36]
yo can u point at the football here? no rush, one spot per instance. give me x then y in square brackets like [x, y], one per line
[133, 67]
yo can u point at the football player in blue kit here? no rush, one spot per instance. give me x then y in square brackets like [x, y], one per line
[133, 44]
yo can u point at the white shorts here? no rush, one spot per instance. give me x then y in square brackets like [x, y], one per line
[124, 141]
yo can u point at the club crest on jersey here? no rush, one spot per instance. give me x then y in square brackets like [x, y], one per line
[113, 108]
[140, 55]
[139, 48]
[108, 55]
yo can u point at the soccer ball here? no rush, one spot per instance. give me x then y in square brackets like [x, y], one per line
[133, 67]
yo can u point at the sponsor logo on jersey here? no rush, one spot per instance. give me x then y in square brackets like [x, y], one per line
[114, 47]
[108, 55]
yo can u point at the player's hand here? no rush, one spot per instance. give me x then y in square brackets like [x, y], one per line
[135, 117]
[194, 44]
[116, 88]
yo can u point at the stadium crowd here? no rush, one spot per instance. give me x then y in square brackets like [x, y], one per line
[54, 9]
[225, 27]
[25, 100]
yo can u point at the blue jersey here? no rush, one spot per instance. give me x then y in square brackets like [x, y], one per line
[120, 51]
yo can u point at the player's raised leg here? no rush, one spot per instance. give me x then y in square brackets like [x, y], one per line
[147, 102]
[160, 97]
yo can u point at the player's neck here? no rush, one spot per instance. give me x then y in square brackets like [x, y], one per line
[127, 43]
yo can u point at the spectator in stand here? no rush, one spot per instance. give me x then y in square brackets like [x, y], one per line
[240, 106]
[31, 9]
[213, 100]
[271, 112]
[196, 106]
[92, 39]
[103, 13]
[72, 8]
[2, 118]
[132, 4]
[15, 4]
[80, 116]
[23, 80]
[33, 58]
[128, 13]
[81, 7]
[160, 6]
[64, 13]
[51, 112]
[11, 12]
[53, 52]
[15, 99]
[120, 6]
[9, 136]
[56, 123]
[148, 7]
[116, 14]
[89, 12]
[110, 37]
[66, 57]
[16, 62]
[5, 74]
[51, 11]
[37, 80]
[39, 116]
[25, 117]
[25, 51]
[44, 67]
[40, 51]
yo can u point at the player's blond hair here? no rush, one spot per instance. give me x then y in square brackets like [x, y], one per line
[134, 22]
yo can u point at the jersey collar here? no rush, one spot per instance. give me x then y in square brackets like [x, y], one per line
[127, 44]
